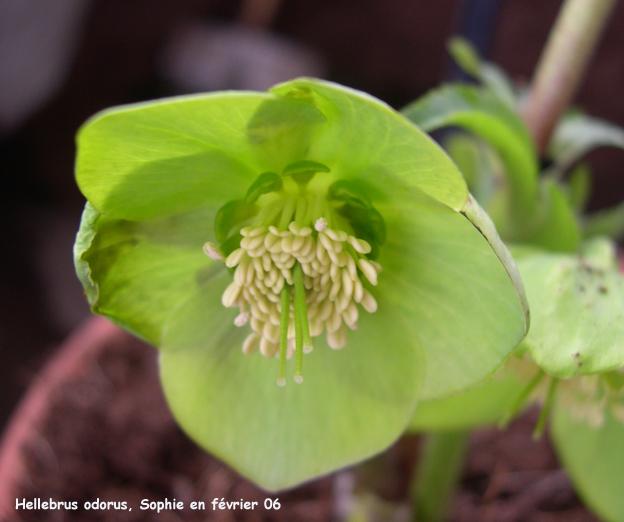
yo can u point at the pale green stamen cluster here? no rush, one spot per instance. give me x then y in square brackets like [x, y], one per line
[303, 264]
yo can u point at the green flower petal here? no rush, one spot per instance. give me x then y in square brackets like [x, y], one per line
[353, 403]
[136, 273]
[594, 458]
[450, 284]
[578, 314]
[157, 173]
[162, 158]
[485, 404]
[363, 138]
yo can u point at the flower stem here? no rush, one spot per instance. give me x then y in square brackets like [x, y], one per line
[562, 65]
[440, 464]
[546, 409]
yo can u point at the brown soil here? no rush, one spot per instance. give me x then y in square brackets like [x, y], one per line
[110, 437]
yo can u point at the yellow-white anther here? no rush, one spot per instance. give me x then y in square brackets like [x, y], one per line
[320, 224]
[234, 258]
[251, 344]
[267, 348]
[359, 245]
[368, 270]
[230, 295]
[369, 303]
[242, 319]
[333, 267]
[213, 252]
[338, 338]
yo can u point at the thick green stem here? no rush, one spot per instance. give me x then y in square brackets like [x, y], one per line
[562, 65]
[440, 465]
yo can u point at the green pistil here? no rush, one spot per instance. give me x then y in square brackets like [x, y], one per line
[281, 380]
[302, 329]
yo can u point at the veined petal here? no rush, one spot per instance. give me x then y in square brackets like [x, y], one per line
[364, 138]
[485, 404]
[282, 436]
[136, 273]
[450, 284]
[161, 158]
[594, 459]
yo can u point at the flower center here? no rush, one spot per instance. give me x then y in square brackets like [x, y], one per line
[299, 271]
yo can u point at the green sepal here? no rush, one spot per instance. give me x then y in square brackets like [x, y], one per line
[593, 456]
[579, 186]
[484, 404]
[366, 140]
[453, 278]
[284, 127]
[231, 214]
[137, 273]
[577, 134]
[554, 225]
[614, 380]
[84, 238]
[577, 312]
[278, 436]
[607, 222]
[265, 183]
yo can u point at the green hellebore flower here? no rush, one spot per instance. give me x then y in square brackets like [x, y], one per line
[284, 188]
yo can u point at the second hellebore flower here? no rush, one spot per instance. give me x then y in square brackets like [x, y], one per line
[311, 222]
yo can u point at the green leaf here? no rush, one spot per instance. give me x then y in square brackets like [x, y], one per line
[137, 273]
[594, 459]
[477, 162]
[364, 139]
[479, 111]
[579, 186]
[577, 134]
[488, 73]
[577, 322]
[554, 225]
[445, 275]
[608, 222]
[353, 403]
[485, 404]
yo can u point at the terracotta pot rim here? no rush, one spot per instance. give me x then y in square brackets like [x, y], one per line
[68, 364]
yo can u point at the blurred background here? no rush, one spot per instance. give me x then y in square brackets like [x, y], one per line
[62, 61]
